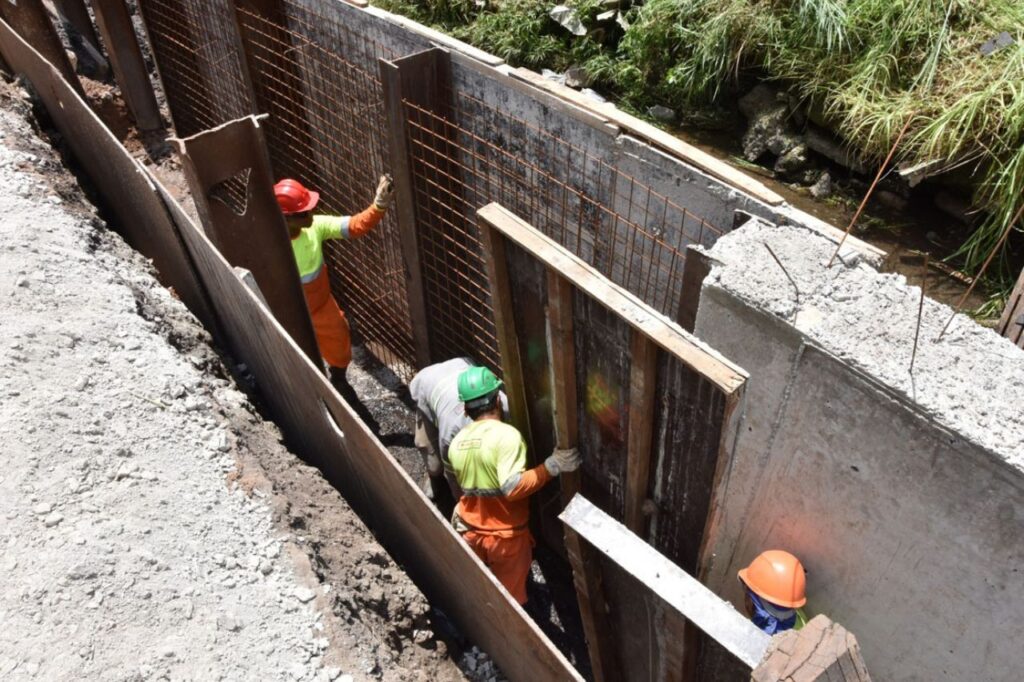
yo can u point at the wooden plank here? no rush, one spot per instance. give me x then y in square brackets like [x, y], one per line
[396, 79]
[586, 574]
[726, 376]
[1011, 322]
[642, 385]
[659, 138]
[673, 585]
[118, 32]
[508, 341]
[696, 266]
[563, 372]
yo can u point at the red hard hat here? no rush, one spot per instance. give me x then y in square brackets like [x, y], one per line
[292, 197]
[777, 576]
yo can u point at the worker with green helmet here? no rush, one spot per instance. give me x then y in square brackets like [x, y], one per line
[440, 415]
[489, 460]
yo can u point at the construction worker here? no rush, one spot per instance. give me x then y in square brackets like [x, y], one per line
[489, 460]
[774, 585]
[440, 415]
[308, 232]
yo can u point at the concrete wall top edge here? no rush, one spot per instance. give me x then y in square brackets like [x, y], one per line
[970, 382]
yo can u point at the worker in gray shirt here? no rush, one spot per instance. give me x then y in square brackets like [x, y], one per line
[440, 415]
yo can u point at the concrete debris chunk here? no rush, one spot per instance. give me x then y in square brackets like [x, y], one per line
[569, 19]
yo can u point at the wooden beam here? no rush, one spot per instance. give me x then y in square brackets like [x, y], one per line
[685, 594]
[1011, 322]
[659, 138]
[586, 576]
[563, 372]
[118, 32]
[642, 384]
[493, 244]
[668, 335]
[257, 238]
[414, 78]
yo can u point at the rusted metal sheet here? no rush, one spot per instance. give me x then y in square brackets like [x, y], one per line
[229, 176]
[30, 20]
[115, 24]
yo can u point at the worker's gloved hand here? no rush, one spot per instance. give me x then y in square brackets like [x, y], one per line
[562, 461]
[385, 193]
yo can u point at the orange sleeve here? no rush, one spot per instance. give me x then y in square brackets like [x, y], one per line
[531, 481]
[363, 222]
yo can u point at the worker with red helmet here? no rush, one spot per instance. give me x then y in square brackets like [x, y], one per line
[775, 584]
[308, 231]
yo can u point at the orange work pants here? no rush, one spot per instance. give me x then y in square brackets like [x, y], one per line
[329, 322]
[508, 558]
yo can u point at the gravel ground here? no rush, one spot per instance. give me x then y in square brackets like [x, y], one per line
[154, 526]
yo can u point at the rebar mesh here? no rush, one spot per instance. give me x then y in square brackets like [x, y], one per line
[318, 80]
[480, 154]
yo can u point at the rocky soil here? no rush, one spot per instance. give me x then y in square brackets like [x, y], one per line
[154, 526]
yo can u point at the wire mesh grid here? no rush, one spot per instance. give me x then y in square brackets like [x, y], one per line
[326, 128]
[196, 48]
[479, 154]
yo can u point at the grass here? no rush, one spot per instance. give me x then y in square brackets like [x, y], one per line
[862, 66]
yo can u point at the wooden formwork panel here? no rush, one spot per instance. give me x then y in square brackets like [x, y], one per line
[653, 411]
[319, 425]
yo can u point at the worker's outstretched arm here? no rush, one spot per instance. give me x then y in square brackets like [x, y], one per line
[526, 483]
[353, 227]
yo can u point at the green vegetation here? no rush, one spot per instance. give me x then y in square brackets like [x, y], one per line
[864, 66]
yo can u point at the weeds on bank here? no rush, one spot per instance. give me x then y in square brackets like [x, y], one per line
[863, 67]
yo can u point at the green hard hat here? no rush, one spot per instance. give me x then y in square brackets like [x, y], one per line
[477, 382]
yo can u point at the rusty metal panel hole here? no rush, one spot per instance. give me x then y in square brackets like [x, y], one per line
[233, 192]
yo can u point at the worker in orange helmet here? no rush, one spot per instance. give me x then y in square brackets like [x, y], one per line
[775, 584]
[308, 231]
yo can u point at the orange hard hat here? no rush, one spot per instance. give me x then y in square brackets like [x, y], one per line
[777, 576]
[293, 197]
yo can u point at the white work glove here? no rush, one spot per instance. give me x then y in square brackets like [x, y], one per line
[562, 461]
[385, 193]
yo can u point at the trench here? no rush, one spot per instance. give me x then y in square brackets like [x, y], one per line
[381, 399]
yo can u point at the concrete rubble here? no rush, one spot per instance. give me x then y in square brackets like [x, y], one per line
[971, 381]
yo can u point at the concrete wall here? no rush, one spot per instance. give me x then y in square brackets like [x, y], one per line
[902, 494]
